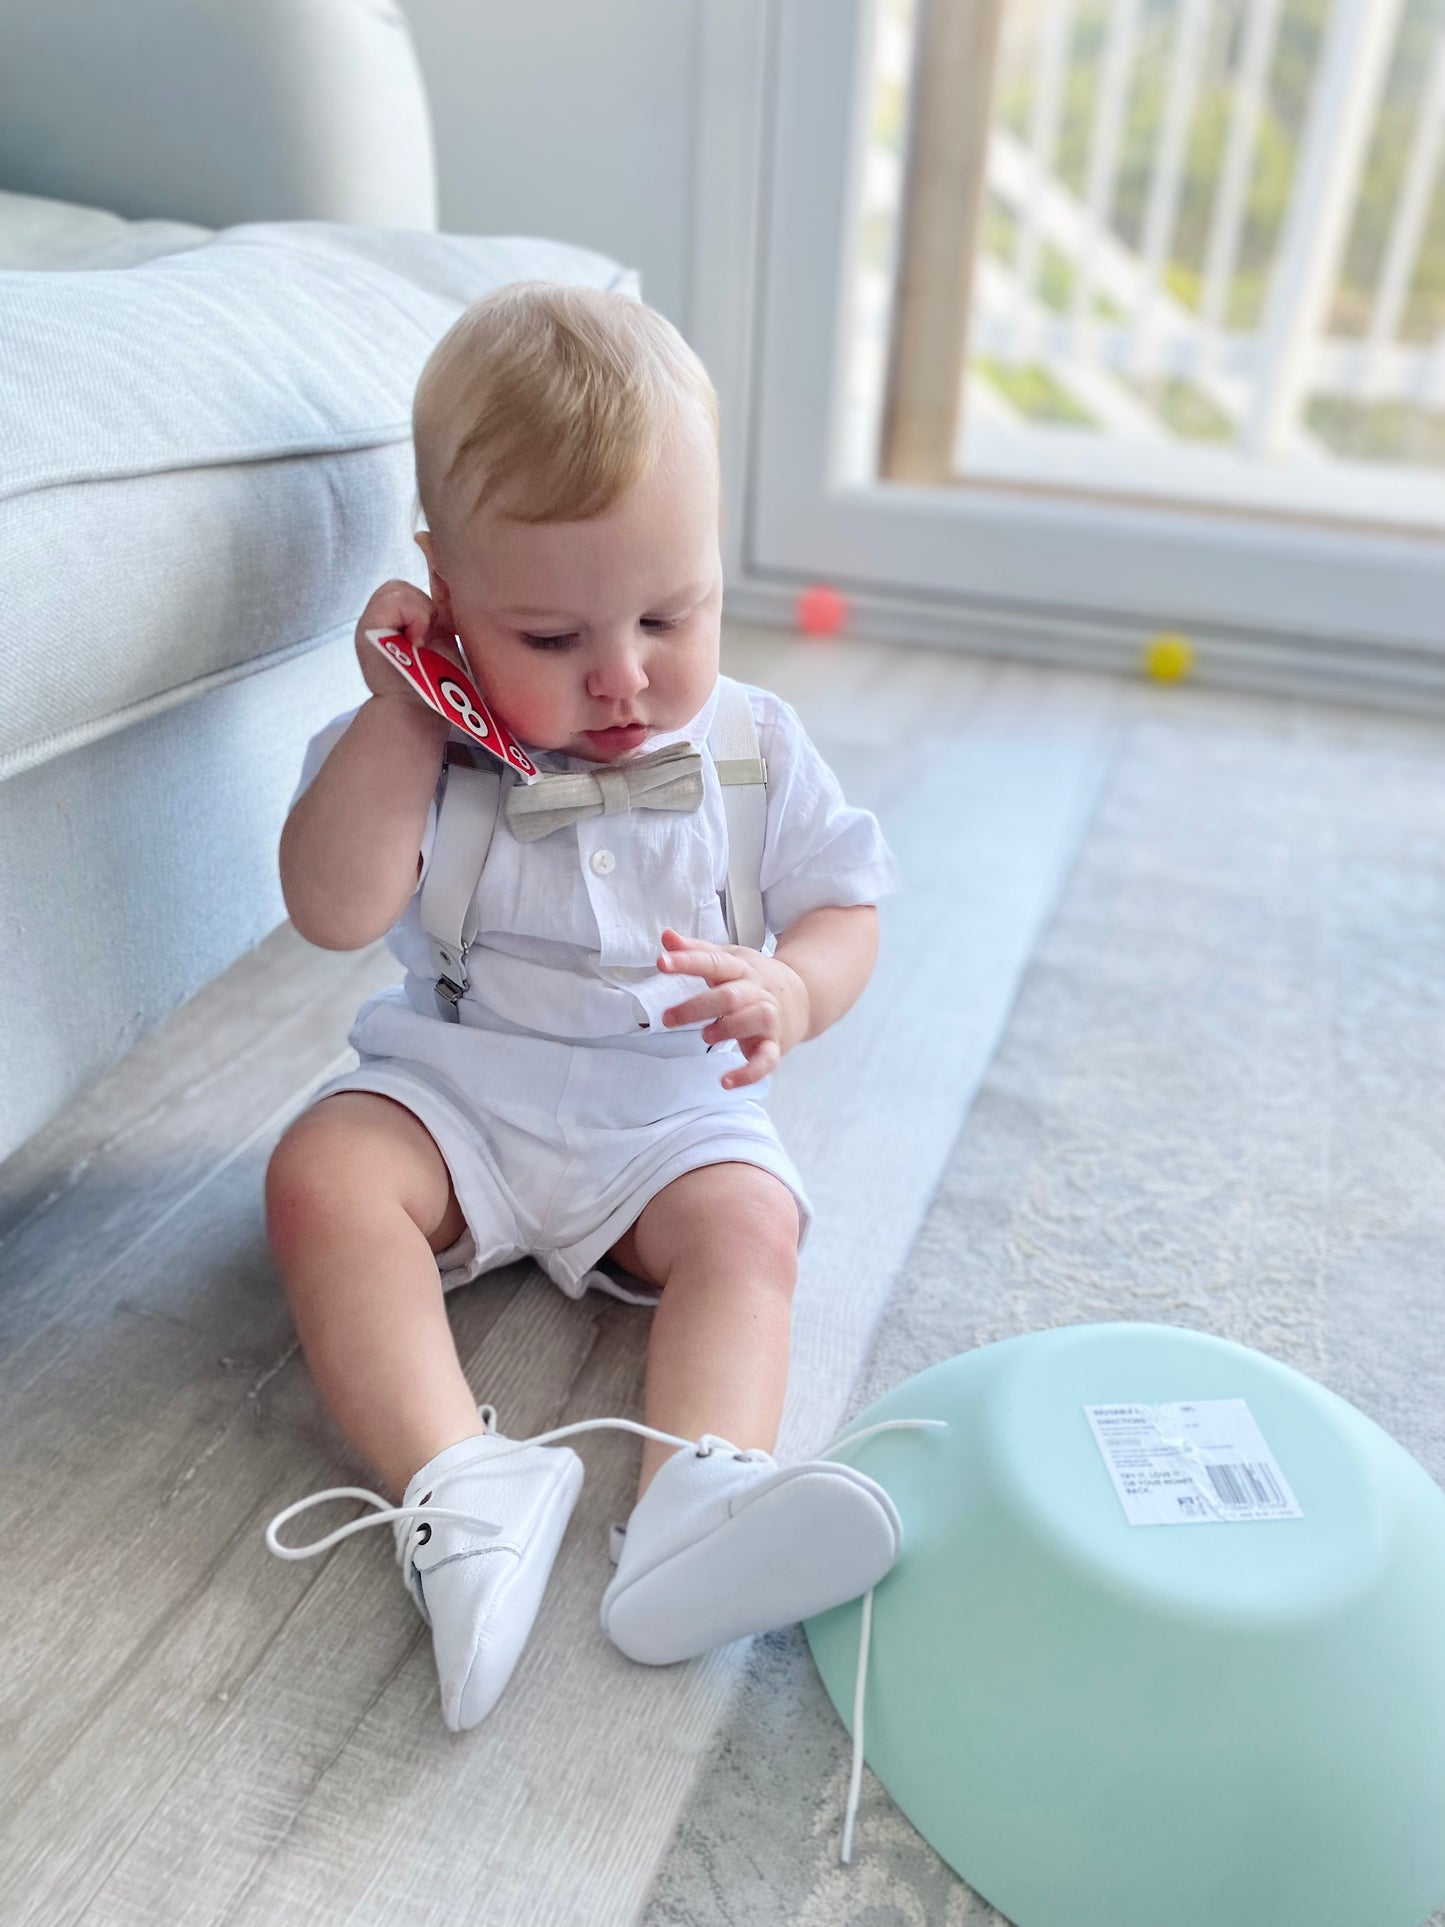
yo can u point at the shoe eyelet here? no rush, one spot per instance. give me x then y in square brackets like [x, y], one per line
[424, 1529]
[424, 1497]
[704, 1451]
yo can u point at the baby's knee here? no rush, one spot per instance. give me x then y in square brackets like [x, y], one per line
[312, 1176]
[295, 1189]
[753, 1212]
[778, 1239]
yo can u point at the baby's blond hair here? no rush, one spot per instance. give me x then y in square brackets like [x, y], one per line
[549, 402]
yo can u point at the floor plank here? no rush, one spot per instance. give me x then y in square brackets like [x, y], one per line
[195, 1727]
[106, 1172]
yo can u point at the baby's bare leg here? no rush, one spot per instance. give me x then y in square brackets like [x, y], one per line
[358, 1202]
[722, 1241]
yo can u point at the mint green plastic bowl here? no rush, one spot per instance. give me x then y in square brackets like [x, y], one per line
[1105, 1725]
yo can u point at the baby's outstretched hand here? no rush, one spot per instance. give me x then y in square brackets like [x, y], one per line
[760, 1001]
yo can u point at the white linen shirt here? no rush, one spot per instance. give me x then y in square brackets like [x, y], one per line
[569, 927]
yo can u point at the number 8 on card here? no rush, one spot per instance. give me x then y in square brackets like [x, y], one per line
[451, 693]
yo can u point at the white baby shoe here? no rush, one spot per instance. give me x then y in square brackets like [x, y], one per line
[726, 1543]
[476, 1534]
[480, 1594]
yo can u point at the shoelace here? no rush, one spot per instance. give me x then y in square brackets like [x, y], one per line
[704, 1447]
[855, 1777]
[385, 1513]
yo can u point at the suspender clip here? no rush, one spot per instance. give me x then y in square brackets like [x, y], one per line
[450, 991]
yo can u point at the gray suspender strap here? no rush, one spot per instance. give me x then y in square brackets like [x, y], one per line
[733, 741]
[467, 816]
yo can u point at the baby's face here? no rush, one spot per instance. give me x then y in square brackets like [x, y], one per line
[574, 628]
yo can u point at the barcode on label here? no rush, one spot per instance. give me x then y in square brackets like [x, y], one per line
[1229, 1482]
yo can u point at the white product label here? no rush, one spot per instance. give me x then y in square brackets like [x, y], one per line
[1191, 1465]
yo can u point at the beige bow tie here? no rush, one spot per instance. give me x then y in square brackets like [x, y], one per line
[668, 779]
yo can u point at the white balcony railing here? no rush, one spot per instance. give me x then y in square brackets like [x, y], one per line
[1087, 316]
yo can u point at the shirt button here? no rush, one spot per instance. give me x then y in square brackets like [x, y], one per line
[603, 862]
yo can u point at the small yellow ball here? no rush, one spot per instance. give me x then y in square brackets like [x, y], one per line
[1168, 658]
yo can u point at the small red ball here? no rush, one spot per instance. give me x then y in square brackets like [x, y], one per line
[820, 611]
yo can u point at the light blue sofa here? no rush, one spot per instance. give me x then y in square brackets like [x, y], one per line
[218, 284]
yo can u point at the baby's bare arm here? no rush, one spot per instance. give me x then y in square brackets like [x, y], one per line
[350, 849]
[833, 950]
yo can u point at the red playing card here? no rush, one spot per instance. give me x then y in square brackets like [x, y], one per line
[451, 693]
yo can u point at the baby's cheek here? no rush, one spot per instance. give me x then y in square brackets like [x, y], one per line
[529, 712]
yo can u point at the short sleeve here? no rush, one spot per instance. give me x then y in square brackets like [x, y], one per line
[818, 850]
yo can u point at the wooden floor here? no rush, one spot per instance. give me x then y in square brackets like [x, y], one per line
[196, 1732]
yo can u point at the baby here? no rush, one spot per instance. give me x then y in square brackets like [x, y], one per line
[593, 1099]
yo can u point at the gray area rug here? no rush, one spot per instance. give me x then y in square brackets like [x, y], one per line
[1217, 1104]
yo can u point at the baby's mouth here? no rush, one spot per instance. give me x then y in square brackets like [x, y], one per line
[617, 732]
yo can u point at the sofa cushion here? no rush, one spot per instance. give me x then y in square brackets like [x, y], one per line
[205, 459]
[36, 232]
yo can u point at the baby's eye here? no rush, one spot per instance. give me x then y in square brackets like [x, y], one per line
[561, 642]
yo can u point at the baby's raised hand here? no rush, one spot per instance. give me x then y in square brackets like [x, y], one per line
[401, 607]
[760, 1001]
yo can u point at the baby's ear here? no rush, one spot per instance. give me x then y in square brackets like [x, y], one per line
[439, 591]
[424, 543]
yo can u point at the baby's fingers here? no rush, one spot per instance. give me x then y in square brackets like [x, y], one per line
[763, 1057]
[747, 1023]
[685, 957]
[399, 605]
[692, 1010]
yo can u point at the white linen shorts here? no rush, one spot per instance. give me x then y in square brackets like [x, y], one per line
[554, 1148]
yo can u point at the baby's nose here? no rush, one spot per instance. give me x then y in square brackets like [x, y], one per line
[618, 675]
